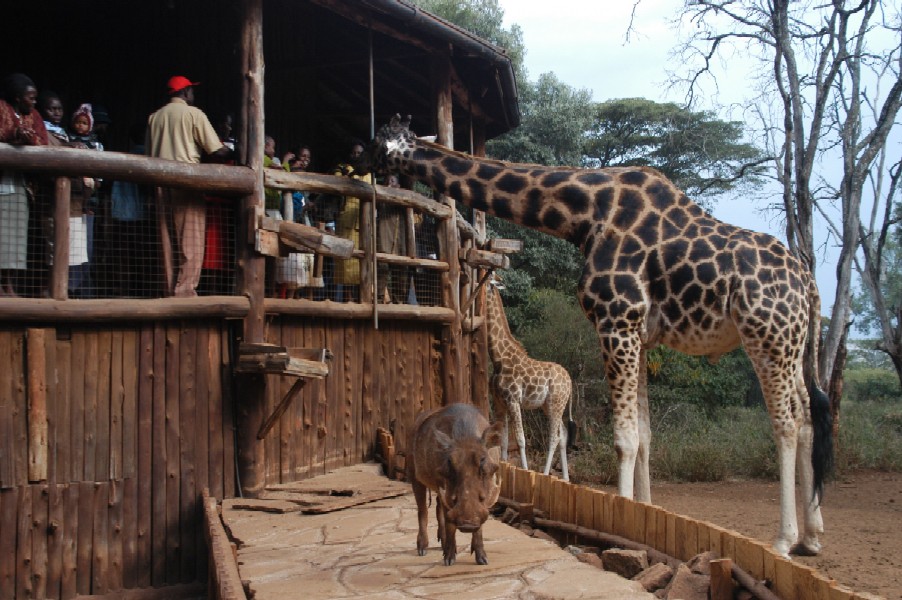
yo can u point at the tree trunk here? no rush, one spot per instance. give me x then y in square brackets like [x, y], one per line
[834, 390]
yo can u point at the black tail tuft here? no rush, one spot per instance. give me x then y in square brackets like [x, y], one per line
[822, 447]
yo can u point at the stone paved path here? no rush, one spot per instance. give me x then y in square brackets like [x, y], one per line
[370, 551]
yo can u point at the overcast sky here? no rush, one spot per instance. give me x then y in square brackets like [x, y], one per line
[584, 43]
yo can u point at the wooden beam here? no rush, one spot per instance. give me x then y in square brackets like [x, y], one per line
[224, 578]
[327, 309]
[307, 238]
[343, 186]
[113, 310]
[123, 166]
[483, 259]
[281, 408]
[504, 246]
[722, 579]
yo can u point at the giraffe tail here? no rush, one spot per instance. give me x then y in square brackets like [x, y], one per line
[821, 413]
[822, 447]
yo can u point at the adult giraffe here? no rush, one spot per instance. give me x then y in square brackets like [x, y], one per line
[659, 270]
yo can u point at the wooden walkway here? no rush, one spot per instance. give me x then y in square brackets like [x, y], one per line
[369, 550]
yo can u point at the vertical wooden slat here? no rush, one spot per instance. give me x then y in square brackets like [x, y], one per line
[217, 428]
[54, 422]
[784, 586]
[40, 498]
[129, 534]
[104, 407]
[202, 445]
[117, 407]
[101, 550]
[186, 468]
[91, 366]
[173, 433]
[68, 579]
[145, 455]
[7, 437]
[158, 464]
[23, 557]
[36, 394]
[116, 535]
[77, 413]
[9, 508]
[63, 456]
[131, 373]
[229, 431]
[20, 414]
[750, 556]
[671, 535]
[56, 520]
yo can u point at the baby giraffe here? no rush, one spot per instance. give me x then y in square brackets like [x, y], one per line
[521, 382]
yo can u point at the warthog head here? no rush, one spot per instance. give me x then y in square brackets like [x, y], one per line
[470, 472]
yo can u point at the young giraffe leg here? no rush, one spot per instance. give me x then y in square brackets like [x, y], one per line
[502, 414]
[515, 412]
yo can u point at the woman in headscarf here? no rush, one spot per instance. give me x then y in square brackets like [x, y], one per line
[21, 124]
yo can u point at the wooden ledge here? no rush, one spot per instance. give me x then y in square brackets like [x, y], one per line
[122, 309]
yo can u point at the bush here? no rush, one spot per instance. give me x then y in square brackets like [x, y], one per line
[871, 385]
[690, 443]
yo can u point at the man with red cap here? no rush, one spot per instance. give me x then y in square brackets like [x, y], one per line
[180, 131]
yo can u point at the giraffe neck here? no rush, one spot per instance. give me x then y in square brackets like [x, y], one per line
[516, 193]
[503, 346]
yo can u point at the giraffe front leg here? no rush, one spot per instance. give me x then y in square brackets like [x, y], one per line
[643, 476]
[563, 446]
[621, 354]
[789, 528]
[554, 438]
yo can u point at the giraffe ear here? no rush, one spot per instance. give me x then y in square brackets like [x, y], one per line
[427, 138]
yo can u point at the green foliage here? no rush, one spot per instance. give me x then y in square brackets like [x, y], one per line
[871, 385]
[674, 377]
[867, 320]
[689, 444]
[554, 120]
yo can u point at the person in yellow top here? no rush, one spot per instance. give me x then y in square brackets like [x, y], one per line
[180, 131]
[347, 225]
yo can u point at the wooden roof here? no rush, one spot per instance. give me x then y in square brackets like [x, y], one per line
[119, 54]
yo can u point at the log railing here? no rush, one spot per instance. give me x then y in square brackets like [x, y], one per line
[270, 238]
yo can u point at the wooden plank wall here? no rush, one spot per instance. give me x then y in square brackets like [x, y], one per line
[377, 378]
[667, 532]
[139, 421]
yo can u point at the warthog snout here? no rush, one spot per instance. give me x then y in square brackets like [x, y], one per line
[455, 453]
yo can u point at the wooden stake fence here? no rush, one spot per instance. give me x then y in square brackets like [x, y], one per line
[666, 532]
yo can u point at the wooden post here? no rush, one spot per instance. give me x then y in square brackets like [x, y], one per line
[722, 579]
[251, 387]
[35, 358]
[59, 272]
[449, 242]
[479, 374]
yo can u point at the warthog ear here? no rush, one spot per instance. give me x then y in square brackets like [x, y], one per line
[443, 440]
[491, 437]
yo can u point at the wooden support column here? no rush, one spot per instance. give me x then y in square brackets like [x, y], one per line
[453, 375]
[59, 272]
[251, 386]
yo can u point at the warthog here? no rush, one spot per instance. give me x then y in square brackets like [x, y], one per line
[454, 452]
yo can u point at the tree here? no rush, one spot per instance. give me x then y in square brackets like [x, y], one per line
[878, 303]
[700, 153]
[819, 58]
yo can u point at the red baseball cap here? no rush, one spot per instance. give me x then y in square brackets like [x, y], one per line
[178, 83]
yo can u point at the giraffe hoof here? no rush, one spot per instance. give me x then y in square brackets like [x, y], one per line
[803, 549]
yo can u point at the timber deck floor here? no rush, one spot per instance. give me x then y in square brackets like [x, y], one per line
[369, 550]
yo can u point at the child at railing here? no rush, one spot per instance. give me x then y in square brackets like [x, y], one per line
[83, 204]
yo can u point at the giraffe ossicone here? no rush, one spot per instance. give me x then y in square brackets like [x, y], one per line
[659, 270]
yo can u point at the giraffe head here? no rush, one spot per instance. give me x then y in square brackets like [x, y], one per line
[393, 143]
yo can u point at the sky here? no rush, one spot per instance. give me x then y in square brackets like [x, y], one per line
[584, 42]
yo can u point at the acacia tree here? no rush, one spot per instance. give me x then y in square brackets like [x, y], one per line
[819, 56]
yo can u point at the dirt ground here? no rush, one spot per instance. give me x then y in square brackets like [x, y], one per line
[862, 519]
